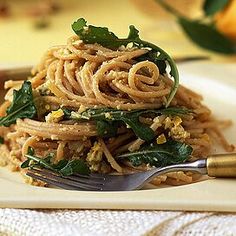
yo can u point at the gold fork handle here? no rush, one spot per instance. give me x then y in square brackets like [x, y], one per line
[222, 165]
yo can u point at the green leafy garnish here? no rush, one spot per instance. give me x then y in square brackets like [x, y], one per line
[63, 167]
[22, 105]
[67, 112]
[159, 155]
[1, 140]
[75, 167]
[101, 35]
[107, 120]
[203, 32]
[211, 7]
[106, 129]
[26, 163]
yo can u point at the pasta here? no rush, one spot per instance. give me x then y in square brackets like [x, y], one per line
[80, 76]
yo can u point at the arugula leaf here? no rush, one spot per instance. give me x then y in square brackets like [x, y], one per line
[73, 167]
[211, 7]
[67, 112]
[63, 167]
[60, 165]
[26, 163]
[30, 151]
[106, 129]
[34, 161]
[22, 105]
[1, 140]
[101, 35]
[107, 120]
[111, 113]
[174, 111]
[110, 117]
[207, 36]
[159, 155]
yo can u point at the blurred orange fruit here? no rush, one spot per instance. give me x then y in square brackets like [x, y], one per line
[226, 20]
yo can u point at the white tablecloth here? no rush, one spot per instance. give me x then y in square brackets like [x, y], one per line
[19, 222]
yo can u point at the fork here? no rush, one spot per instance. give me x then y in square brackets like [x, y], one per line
[221, 165]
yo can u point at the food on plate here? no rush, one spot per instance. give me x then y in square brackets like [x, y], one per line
[107, 105]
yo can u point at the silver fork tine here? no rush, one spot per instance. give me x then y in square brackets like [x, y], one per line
[83, 179]
[52, 182]
[54, 177]
[94, 176]
[87, 179]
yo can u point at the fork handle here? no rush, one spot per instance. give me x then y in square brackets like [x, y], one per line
[221, 165]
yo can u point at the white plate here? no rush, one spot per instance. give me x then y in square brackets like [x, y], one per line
[217, 83]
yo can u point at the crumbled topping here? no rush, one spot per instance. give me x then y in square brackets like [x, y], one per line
[75, 115]
[176, 130]
[161, 139]
[55, 116]
[108, 115]
[94, 157]
[43, 89]
[82, 108]
[86, 28]
[122, 48]
[128, 126]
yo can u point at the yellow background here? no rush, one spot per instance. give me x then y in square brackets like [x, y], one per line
[21, 43]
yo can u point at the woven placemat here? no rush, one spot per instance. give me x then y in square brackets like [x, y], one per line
[19, 222]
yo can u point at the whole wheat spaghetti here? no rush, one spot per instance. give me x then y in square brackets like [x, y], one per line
[80, 76]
